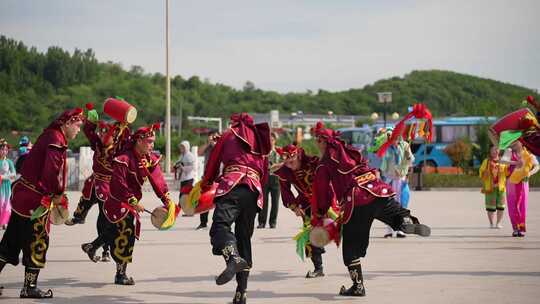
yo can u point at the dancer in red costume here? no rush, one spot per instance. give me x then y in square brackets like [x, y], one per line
[363, 197]
[40, 187]
[131, 169]
[106, 140]
[243, 151]
[298, 171]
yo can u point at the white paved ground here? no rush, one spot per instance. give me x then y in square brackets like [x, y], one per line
[462, 262]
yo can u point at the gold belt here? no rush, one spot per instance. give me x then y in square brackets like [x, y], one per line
[365, 178]
[243, 169]
[102, 177]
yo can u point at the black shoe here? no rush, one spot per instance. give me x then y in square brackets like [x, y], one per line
[35, 293]
[315, 274]
[74, 221]
[105, 257]
[123, 279]
[201, 226]
[419, 229]
[1, 290]
[240, 298]
[272, 226]
[90, 251]
[356, 290]
[260, 226]
[235, 264]
[388, 235]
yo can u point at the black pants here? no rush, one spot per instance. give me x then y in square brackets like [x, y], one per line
[84, 206]
[271, 188]
[204, 217]
[28, 236]
[239, 206]
[120, 237]
[102, 225]
[356, 231]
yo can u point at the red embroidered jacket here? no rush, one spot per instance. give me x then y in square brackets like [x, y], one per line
[301, 180]
[126, 183]
[353, 181]
[240, 166]
[43, 172]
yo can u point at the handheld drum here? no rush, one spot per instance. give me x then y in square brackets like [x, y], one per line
[158, 216]
[120, 110]
[510, 121]
[321, 236]
[59, 215]
[198, 202]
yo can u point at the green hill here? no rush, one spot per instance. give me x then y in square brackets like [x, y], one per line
[35, 86]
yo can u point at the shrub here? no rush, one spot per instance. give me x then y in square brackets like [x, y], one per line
[460, 152]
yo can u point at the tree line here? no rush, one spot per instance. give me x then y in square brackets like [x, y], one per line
[35, 86]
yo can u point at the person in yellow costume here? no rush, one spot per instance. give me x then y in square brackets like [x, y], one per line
[493, 174]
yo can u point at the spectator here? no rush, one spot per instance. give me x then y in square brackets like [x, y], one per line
[205, 151]
[272, 188]
[24, 148]
[184, 168]
[493, 174]
[522, 165]
[7, 175]
[395, 165]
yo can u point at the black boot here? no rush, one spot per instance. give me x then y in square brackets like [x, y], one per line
[235, 264]
[240, 296]
[105, 257]
[30, 289]
[121, 278]
[411, 225]
[316, 258]
[357, 289]
[90, 250]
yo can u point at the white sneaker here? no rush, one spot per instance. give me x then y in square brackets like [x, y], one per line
[499, 226]
[492, 226]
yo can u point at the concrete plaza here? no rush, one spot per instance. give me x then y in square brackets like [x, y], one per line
[462, 262]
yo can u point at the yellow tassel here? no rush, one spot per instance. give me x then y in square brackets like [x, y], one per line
[171, 217]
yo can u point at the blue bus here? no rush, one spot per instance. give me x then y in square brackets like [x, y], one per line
[446, 131]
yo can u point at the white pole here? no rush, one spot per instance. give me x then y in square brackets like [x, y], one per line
[168, 114]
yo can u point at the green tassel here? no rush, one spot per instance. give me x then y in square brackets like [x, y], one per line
[93, 116]
[39, 212]
[302, 240]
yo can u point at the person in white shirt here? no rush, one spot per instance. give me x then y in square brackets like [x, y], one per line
[184, 168]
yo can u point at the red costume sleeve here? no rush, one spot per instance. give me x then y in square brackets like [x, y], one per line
[211, 170]
[286, 194]
[266, 171]
[119, 184]
[53, 175]
[159, 185]
[89, 130]
[322, 196]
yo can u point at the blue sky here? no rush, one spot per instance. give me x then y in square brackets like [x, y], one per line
[293, 45]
